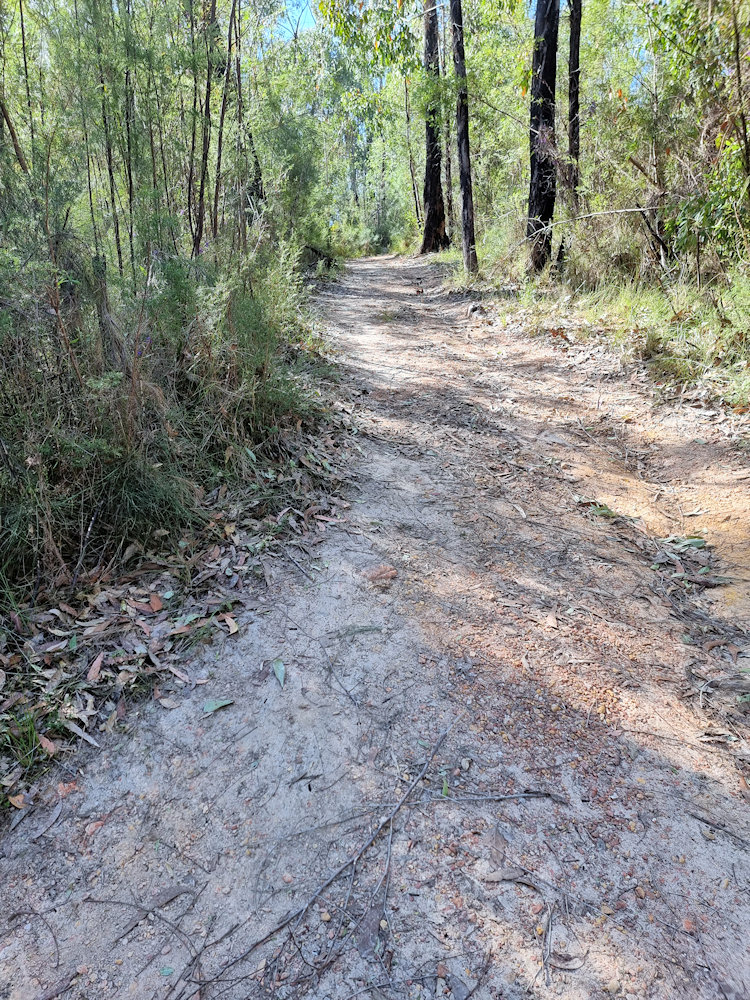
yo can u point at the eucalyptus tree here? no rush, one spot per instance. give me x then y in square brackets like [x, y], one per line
[435, 236]
[543, 158]
[468, 237]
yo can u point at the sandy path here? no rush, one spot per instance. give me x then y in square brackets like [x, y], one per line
[469, 633]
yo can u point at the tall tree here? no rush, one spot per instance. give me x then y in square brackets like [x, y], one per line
[435, 236]
[412, 171]
[447, 137]
[543, 183]
[462, 131]
[574, 91]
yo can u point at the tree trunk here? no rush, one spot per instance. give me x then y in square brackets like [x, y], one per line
[222, 116]
[572, 172]
[450, 216]
[256, 193]
[107, 138]
[414, 186]
[543, 183]
[194, 124]
[26, 79]
[435, 236]
[200, 214]
[13, 137]
[131, 130]
[462, 132]
[574, 90]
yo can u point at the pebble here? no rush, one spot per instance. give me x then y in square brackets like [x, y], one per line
[325, 916]
[613, 986]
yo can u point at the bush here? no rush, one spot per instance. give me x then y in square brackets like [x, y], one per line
[117, 407]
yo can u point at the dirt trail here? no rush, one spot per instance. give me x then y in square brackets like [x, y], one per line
[485, 703]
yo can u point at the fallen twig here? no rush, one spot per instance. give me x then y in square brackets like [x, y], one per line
[720, 827]
[297, 914]
[532, 794]
[302, 569]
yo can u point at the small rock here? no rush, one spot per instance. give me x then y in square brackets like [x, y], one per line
[465, 764]
[613, 986]
[442, 971]
[287, 878]
[325, 916]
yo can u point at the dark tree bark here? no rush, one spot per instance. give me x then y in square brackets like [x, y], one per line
[574, 90]
[571, 173]
[543, 184]
[435, 236]
[462, 133]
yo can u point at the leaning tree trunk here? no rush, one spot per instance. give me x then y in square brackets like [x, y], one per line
[543, 184]
[462, 131]
[435, 236]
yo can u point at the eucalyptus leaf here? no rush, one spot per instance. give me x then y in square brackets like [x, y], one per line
[213, 706]
[280, 670]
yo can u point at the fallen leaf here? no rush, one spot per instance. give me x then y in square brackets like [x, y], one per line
[95, 668]
[213, 706]
[382, 573]
[79, 732]
[169, 703]
[20, 801]
[156, 602]
[47, 745]
[280, 671]
[230, 623]
[180, 674]
[99, 627]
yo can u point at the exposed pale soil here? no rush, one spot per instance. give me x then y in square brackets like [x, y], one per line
[466, 587]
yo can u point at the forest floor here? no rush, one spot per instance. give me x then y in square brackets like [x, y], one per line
[486, 739]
